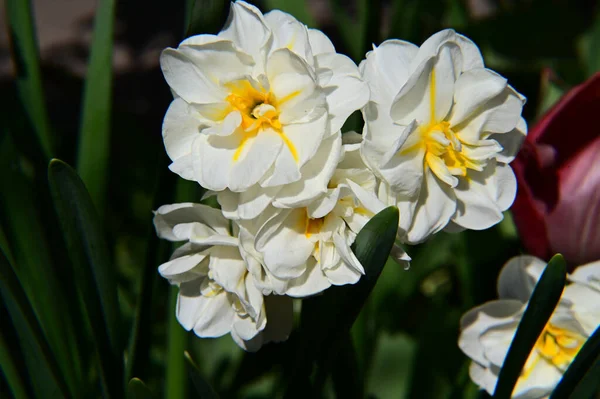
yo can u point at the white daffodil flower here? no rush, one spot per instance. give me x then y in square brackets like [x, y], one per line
[303, 251]
[488, 330]
[256, 107]
[217, 295]
[439, 131]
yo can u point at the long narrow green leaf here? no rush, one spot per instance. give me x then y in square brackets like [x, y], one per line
[94, 136]
[27, 65]
[203, 388]
[136, 389]
[204, 16]
[328, 317]
[10, 371]
[541, 305]
[298, 8]
[176, 381]
[590, 383]
[26, 245]
[40, 361]
[92, 268]
[584, 360]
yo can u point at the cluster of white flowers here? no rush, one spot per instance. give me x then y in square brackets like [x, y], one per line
[256, 119]
[488, 330]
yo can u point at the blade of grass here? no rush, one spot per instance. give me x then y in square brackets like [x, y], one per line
[92, 268]
[41, 363]
[297, 8]
[10, 371]
[136, 389]
[94, 136]
[583, 362]
[176, 382]
[26, 245]
[541, 305]
[203, 388]
[27, 66]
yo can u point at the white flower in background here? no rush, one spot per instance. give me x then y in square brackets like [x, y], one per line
[440, 130]
[217, 295]
[488, 330]
[256, 107]
[303, 251]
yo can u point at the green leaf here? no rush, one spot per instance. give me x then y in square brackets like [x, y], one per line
[42, 365]
[583, 362]
[26, 61]
[10, 371]
[92, 268]
[27, 246]
[203, 388]
[358, 35]
[298, 8]
[541, 305]
[204, 16]
[176, 386]
[590, 383]
[94, 135]
[328, 317]
[136, 389]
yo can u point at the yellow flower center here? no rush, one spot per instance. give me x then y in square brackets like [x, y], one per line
[313, 226]
[259, 109]
[556, 346]
[444, 150]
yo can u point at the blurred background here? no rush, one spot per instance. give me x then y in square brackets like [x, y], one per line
[406, 336]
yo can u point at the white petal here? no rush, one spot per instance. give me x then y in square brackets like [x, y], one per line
[436, 205]
[187, 79]
[294, 85]
[511, 141]
[484, 377]
[499, 115]
[346, 91]
[305, 138]
[247, 28]
[220, 61]
[180, 127]
[257, 156]
[516, 280]
[506, 186]
[216, 317]
[540, 382]
[474, 89]
[588, 274]
[247, 204]
[386, 69]
[228, 269]
[350, 260]
[319, 42]
[213, 157]
[289, 33]
[227, 126]
[168, 216]
[496, 341]
[311, 282]
[181, 269]
[315, 176]
[284, 245]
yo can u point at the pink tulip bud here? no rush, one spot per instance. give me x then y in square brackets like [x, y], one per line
[557, 208]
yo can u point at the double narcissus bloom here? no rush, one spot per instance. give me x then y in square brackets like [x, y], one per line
[440, 129]
[488, 330]
[217, 295]
[256, 120]
[257, 109]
